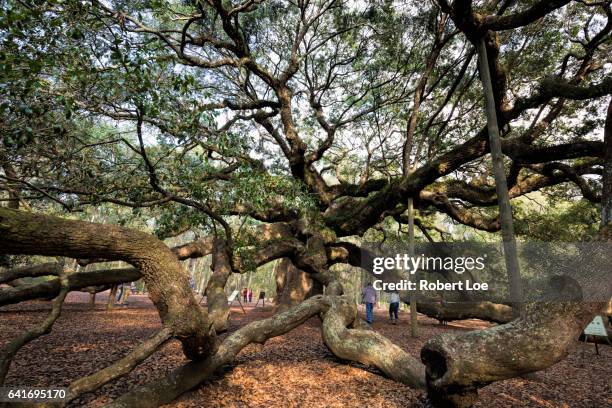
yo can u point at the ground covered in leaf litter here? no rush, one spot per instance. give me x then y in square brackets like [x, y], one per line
[294, 370]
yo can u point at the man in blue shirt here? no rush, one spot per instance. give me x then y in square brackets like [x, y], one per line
[369, 296]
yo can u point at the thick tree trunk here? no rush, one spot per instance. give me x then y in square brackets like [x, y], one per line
[293, 285]
[167, 282]
[216, 299]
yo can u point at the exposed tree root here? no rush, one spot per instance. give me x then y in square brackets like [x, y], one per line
[337, 313]
[366, 346]
[192, 374]
[119, 368]
[44, 328]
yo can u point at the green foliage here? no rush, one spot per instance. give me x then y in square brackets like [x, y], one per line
[74, 79]
[559, 221]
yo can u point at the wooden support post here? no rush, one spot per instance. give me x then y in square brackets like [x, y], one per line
[501, 186]
[414, 332]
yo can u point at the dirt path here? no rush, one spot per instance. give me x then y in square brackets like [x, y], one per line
[294, 370]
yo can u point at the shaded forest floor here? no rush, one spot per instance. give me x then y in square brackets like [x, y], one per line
[294, 370]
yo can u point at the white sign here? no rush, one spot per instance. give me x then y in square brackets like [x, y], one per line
[233, 296]
[596, 328]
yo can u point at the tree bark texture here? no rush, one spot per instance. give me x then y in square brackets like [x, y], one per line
[167, 282]
[293, 285]
[216, 299]
[459, 364]
[367, 346]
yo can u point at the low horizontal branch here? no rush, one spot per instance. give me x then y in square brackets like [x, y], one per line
[51, 288]
[31, 271]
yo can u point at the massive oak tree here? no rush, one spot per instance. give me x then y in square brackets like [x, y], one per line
[291, 130]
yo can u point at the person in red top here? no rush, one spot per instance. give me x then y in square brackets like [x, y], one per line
[245, 293]
[250, 295]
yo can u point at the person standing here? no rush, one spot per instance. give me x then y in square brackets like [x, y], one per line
[245, 295]
[394, 302]
[120, 295]
[122, 299]
[250, 295]
[369, 296]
